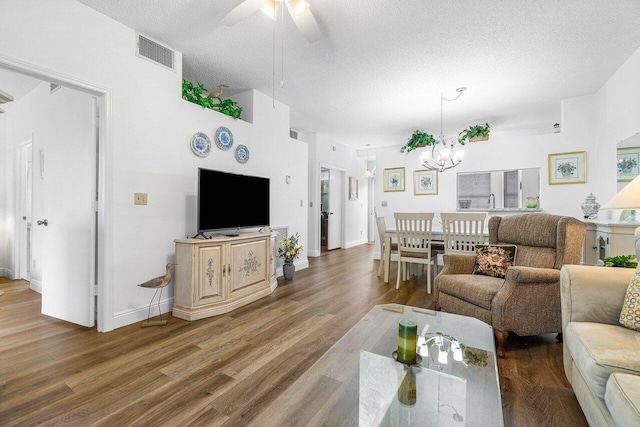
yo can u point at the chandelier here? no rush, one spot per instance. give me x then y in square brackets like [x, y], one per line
[442, 156]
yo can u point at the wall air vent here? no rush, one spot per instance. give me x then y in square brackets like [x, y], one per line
[293, 134]
[53, 87]
[155, 52]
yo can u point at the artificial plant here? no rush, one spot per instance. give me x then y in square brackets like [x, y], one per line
[418, 137]
[194, 93]
[481, 131]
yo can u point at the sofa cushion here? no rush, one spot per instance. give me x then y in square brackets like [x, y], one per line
[623, 399]
[600, 349]
[473, 288]
[493, 260]
[630, 313]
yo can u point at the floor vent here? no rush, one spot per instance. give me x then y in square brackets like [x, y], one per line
[281, 233]
[155, 52]
[293, 134]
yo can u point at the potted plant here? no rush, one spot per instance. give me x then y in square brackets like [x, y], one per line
[475, 133]
[418, 139]
[193, 93]
[289, 251]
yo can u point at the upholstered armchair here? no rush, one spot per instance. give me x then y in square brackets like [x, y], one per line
[527, 300]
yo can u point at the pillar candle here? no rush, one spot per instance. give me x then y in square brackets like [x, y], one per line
[407, 340]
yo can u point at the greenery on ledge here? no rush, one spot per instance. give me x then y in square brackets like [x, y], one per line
[418, 138]
[627, 261]
[193, 93]
[480, 131]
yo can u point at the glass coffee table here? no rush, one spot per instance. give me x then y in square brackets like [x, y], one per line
[359, 383]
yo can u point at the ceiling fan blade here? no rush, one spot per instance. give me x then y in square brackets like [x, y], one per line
[306, 23]
[242, 11]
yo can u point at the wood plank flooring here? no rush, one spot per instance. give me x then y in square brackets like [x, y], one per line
[228, 369]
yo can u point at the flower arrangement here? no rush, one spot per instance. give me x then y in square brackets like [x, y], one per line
[625, 166]
[566, 168]
[289, 249]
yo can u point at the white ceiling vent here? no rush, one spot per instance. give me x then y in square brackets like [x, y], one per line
[155, 52]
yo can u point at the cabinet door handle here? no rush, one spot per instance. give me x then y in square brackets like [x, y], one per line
[224, 270]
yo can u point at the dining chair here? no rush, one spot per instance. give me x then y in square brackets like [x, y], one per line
[462, 231]
[414, 242]
[392, 253]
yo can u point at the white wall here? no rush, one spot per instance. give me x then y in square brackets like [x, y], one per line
[617, 117]
[5, 248]
[343, 158]
[151, 130]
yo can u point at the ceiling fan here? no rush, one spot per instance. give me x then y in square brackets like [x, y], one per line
[298, 9]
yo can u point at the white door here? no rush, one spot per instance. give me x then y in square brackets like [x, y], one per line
[66, 155]
[24, 186]
[334, 234]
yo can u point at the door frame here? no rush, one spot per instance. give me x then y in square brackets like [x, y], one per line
[105, 244]
[343, 209]
[18, 265]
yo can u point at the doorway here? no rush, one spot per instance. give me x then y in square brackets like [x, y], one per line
[55, 181]
[331, 208]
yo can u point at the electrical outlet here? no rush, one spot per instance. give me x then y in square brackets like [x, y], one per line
[139, 198]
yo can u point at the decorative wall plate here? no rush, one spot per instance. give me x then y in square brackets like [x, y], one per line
[242, 154]
[224, 138]
[200, 144]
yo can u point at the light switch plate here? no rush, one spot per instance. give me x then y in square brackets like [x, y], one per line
[139, 198]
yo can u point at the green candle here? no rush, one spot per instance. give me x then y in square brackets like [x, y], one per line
[407, 341]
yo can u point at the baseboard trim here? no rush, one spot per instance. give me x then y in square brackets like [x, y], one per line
[139, 314]
[35, 285]
[7, 272]
[313, 253]
[356, 243]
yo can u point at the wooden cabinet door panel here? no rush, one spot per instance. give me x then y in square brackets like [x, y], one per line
[249, 265]
[210, 266]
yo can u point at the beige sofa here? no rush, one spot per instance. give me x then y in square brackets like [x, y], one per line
[601, 358]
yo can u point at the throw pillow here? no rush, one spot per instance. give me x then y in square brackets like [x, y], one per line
[630, 314]
[493, 260]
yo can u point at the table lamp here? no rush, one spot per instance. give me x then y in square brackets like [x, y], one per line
[628, 198]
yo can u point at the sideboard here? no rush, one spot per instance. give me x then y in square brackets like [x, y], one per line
[608, 237]
[217, 275]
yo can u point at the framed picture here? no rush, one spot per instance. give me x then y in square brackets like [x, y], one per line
[628, 161]
[353, 188]
[425, 182]
[568, 168]
[393, 179]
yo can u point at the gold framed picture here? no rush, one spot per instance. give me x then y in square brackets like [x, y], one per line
[628, 162]
[425, 182]
[393, 179]
[568, 168]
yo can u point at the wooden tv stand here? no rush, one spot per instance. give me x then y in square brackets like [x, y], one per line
[217, 275]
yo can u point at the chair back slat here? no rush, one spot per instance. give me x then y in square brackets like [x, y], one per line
[414, 232]
[462, 231]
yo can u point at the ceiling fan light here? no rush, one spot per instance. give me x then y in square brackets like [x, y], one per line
[299, 6]
[269, 9]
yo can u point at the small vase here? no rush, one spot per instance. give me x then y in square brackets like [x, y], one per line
[289, 270]
[590, 207]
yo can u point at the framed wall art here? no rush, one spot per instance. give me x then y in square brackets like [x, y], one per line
[568, 168]
[425, 182]
[353, 188]
[393, 179]
[628, 161]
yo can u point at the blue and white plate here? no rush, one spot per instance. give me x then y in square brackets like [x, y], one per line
[201, 144]
[242, 154]
[224, 138]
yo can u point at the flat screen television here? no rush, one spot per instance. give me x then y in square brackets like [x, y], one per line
[230, 201]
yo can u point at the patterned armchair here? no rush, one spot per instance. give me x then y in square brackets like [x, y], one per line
[527, 300]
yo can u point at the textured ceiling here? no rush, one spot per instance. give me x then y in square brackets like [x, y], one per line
[377, 73]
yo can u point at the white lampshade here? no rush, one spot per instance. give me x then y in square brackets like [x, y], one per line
[627, 198]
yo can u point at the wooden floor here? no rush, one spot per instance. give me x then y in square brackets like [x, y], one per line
[228, 369]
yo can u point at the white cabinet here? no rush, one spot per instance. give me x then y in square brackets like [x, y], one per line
[218, 275]
[606, 238]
